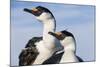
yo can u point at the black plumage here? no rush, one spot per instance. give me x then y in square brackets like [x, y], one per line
[54, 59]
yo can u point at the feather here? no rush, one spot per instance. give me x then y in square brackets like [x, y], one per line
[29, 54]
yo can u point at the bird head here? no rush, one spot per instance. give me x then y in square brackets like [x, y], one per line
[61, 35]
[41, 13]
[65, 37]
[58, 35]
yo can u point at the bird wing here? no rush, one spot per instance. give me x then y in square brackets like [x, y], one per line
[29, 53]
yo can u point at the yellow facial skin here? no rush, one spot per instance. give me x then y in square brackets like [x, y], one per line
[59, 35]
[34, 9]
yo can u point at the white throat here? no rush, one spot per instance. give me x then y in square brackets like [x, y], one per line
[49, 26]
[69, 44]
[69, 50]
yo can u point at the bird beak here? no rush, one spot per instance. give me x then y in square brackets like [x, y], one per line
[56, 34]
[33, 11]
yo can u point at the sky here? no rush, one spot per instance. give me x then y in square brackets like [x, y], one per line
[78, 19]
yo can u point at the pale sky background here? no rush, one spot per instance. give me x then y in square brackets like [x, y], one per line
[78, 19]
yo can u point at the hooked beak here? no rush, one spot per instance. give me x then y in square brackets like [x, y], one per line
[58, 35]
[27, 10]
[33, 11]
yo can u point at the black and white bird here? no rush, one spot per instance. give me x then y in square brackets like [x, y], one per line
[44, 47]
[67, 40]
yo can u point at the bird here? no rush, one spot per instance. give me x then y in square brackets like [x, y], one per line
[45, 46]
[68, 42]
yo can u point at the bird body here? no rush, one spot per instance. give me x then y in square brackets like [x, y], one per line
[45, 47]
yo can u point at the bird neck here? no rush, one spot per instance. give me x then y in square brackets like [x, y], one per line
[69, 50]
[70, 47]
[49, 40]
[49, 26]
[69, 44]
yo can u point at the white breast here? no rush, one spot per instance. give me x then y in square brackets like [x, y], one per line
[69, 56]
[44, 53]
